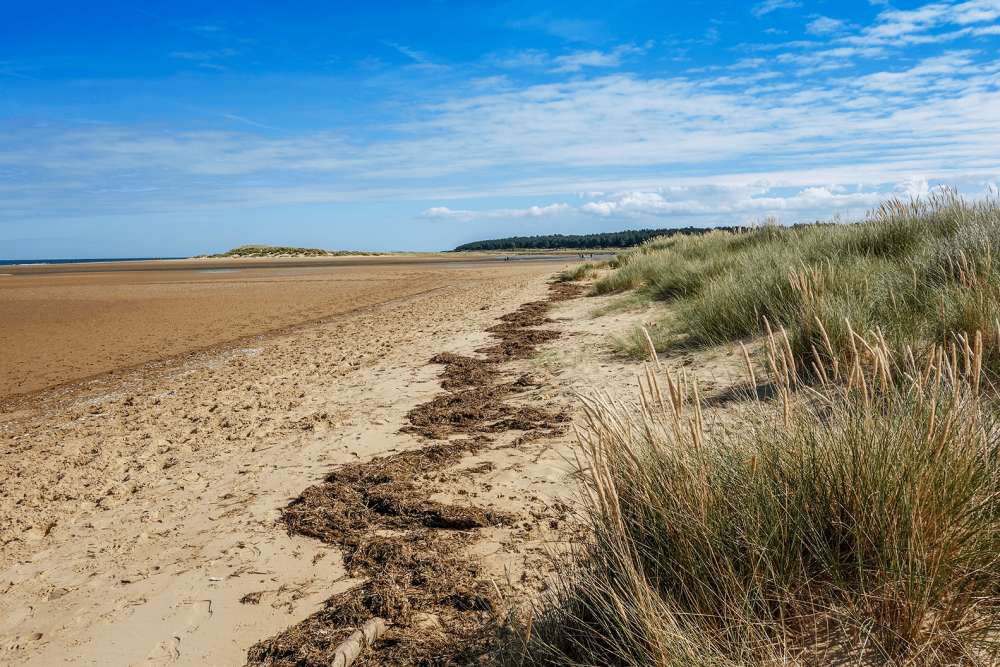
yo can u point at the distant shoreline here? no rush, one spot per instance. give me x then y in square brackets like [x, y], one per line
[81, 260]
[164, 266]
[550, 252]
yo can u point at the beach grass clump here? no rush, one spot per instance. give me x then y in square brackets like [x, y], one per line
[629, 302]
[922, 272]
[631, 271]
[651, 264]
[853, 523]
[641, 337]
[578, 272]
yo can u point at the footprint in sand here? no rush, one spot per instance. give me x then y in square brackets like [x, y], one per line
[201, 611]
[168, 651]
[165, 653]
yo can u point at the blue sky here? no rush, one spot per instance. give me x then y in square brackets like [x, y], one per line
[136, 128]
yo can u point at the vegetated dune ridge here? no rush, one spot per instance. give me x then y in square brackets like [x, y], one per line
[851, 513]
[138, 520]
[253, 251]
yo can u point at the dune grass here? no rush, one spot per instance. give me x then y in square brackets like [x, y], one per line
[579, 272]
[628, 302]
[853, 518]
[920, 271]
[856, 522]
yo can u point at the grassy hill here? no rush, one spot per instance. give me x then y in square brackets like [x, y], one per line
[283, 251]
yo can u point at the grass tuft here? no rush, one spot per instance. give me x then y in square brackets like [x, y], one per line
[579, 272]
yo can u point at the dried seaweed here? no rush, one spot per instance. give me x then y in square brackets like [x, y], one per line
[384, 493]
[420, 584]
[409, 548]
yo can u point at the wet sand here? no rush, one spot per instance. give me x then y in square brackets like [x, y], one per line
[65, 323]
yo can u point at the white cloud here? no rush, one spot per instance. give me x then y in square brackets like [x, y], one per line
[574, 62]
[736, 203]
[830, 58]
[445, 213]
[768, 6]
[824, 25]
[496, 82]
[416, 56]
[893, 30]
[521, 59]
[613, 133]
[707, 204]
[902, 26]
[204, 56]
[913, 187]
[573, 30]
[608, 121]
[796, 118]
[418, 59]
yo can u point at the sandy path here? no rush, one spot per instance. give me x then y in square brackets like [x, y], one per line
[134, 521]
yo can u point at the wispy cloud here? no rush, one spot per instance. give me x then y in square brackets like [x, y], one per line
[578, 60]
[915, 26]
[940, 118]
[246, 121]
[838, 44]
[419, 59]
[830, 58]
[768, 6]
[521, 59]
[413, 54]
[206, 55]
[572, 30]
[209, 29]
[791, 128]
[824, 25]
[462, 215]
[573, 61]
[708, 204]
[744, 202]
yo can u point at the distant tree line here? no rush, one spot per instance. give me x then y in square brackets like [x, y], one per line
[623, 239]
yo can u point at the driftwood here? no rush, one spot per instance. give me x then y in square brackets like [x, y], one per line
[352, 647]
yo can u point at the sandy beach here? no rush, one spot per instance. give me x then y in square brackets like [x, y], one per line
[142, 507]
[63, 323]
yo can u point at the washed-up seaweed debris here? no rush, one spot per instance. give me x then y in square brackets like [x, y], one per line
[409, 548]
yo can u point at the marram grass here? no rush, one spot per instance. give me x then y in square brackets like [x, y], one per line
[922, 272]
[854, 520]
